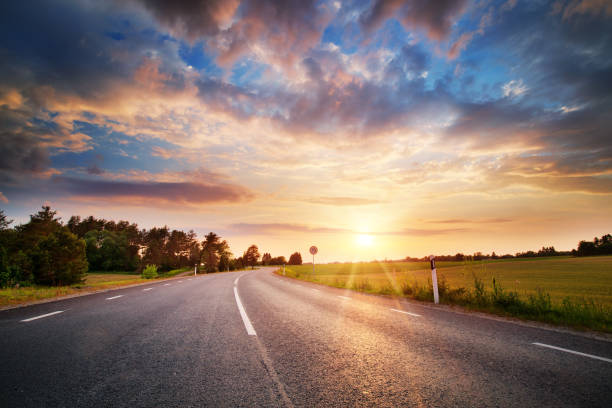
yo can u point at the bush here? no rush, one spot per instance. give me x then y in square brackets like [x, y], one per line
[150, 272]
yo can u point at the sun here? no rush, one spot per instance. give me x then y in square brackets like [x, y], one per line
[364, 239]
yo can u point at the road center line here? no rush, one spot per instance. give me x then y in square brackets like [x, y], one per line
[315, 290]
[189, 279]
[344, 297]
[114, 297]
[180, 281]
[41, 316]
[245, 319]
[573, 352]
[236, 280]
[408, 313]
[166, 284]
[144, 290]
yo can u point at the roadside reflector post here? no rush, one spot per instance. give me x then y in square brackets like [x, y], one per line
[195, 270]
[434, 278]
[283, 269]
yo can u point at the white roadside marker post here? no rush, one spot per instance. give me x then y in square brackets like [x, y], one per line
[434, 278]
[195, 270]
[284, 274]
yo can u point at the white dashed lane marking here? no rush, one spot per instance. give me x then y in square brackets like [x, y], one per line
[41, 316]
[573, 352]
[408, 313]
[114, 297]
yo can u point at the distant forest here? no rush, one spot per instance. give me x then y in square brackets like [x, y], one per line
[46, 251]
[599, 246]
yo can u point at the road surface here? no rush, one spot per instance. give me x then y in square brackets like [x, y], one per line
[256, 339]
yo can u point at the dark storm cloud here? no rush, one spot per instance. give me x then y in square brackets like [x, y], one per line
[140, 192]
[434, 17]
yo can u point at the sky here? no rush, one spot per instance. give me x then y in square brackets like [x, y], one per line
[371, 129]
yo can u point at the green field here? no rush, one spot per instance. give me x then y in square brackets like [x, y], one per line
[577, 278]
[565, 290]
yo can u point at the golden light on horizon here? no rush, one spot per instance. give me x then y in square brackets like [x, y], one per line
[364, 239]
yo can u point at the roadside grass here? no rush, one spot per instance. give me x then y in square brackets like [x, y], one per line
[576, 292]
[175, 272]
[93, 282]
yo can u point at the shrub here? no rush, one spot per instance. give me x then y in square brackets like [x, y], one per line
[480, 294]
[150, 272]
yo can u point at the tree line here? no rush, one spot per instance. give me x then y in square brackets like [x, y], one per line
[48, 252]
[599, 246]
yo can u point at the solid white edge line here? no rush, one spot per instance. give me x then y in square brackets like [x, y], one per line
[114, 297]
[344, 297]
[144, 290]
[408, 313]
[573, 352]
[41, 316]
[245, 319]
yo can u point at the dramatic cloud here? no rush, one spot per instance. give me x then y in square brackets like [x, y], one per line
[360, 114]
[141, 193]
[435, 18]
[193, 18]
[271, 30]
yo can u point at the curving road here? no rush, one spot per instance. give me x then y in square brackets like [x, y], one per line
[256, 339]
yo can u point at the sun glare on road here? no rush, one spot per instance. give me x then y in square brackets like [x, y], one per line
[364, 239]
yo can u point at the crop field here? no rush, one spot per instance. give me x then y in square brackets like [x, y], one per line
[561, 277]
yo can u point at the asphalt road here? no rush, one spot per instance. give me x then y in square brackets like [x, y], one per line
[185, 343]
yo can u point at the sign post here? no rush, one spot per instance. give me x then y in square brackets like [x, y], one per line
[434, 278]
[313, 251]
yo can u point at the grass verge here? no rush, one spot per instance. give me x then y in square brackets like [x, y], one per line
[93, 282]
[486, 291]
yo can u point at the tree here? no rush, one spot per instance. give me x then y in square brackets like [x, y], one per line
[52, 255]
[210, 252]
[155, 253]
[295, 259]
[251, 256]
[266, 259]
[279, 260]
[4, 222]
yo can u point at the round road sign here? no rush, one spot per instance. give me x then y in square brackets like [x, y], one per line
[313, 250]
